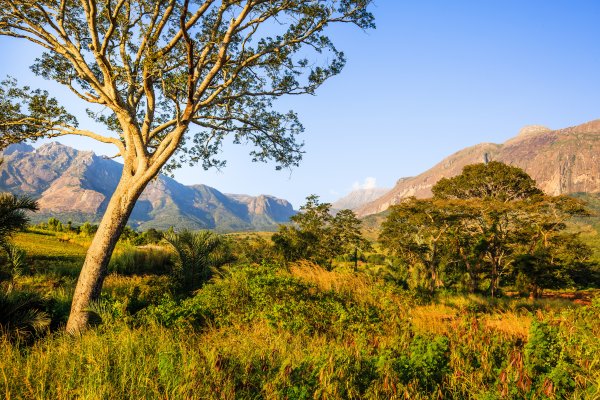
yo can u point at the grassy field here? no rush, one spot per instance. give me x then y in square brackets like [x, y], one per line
[301, 332]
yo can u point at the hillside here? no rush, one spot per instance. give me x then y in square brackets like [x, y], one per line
[561, 161]
[77, 185]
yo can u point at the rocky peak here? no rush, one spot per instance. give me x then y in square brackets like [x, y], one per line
[531, 130]
[560, 161]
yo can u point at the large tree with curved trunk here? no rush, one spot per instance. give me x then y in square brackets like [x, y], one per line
[169, 79]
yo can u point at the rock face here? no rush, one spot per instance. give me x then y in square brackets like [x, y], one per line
[77, 185]
[561, 161]
[358, 198]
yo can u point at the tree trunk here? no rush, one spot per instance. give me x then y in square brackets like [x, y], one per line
[95, 266]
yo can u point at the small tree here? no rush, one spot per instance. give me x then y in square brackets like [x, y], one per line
[169, 79]
[317, 235]
[13, 214]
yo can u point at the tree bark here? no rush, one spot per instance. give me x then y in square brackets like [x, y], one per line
[95, 266]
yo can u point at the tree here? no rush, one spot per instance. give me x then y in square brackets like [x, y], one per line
[318, 235]
[151, 70]
[418, 232]
[493, 180]
[13, 215]
[489, 223]
[495, 189]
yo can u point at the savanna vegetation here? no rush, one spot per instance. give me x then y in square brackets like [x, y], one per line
[316, 310]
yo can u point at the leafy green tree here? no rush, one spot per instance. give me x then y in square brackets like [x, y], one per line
[551, 257]
[318, 235]
[488, 224]
[494, 180]
[170, 80]
[418, 233]
[198, 253]
[54, 225]
[498, 192]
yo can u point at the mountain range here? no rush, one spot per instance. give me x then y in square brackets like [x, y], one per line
[562, 161]
[76, 185]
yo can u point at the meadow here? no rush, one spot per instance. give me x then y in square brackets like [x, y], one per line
[295, 331]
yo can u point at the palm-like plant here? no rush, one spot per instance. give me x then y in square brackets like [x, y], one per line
[13, 214]
[21, 314]
[199, 254]
[13, 217]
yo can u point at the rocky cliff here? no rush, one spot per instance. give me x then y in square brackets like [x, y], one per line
[77, 185]
[561, 161]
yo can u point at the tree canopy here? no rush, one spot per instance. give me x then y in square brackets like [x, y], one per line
[494, 180]
[157, 68]
[488, 225]
[318, 235]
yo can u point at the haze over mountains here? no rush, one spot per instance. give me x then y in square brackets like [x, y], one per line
[561, 161]
[76, 185]
[359, 197]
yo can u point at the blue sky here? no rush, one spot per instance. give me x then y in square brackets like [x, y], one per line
[434, 77]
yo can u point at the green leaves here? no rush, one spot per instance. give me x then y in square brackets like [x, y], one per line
[494, 180]
[13, 214]
[486, 227]
[318, 235]
[27, 114]
[198, 253]
[189, 73]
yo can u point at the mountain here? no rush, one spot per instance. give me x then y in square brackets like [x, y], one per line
[77, 185]
[561, 161]
[358, 198]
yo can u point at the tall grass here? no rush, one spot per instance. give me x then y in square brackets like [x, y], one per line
[262, 332]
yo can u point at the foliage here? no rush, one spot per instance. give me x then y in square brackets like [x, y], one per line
[251, 293]
[13, 215]
[304, 332]
[131, 260]
[489, 227]
[318, 235]
[494, 180]
[22, 315]
[170, 81]
[199, 254]
[418, 233]
[88, 229]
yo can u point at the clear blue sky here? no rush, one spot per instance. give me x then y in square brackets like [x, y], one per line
[434, 77]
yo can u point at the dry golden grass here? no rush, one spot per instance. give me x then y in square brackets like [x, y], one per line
[509, 324]
[359, 286]
[435, 319]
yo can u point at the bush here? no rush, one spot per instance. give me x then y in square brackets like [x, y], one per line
[282, 301]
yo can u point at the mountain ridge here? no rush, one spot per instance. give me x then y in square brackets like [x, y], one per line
[77, 185]
[562, 161]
